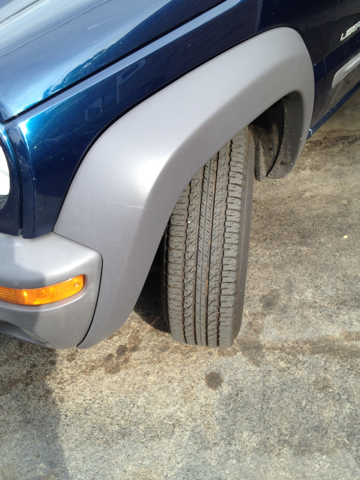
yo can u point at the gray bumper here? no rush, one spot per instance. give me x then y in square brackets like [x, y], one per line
[45, 261]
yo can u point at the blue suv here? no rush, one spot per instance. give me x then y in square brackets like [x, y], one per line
[130, 128]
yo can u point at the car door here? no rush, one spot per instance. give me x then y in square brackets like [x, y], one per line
[343, 60]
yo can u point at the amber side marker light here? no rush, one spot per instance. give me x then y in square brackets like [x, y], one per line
[43, 295]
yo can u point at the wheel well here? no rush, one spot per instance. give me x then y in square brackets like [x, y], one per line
[274, 138]
[267, 130]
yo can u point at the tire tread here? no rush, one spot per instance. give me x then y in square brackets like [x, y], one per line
[202, 250]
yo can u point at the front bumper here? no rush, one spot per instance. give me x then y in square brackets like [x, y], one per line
[45, 261]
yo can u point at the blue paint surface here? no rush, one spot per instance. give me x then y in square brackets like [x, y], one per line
[51, 139]
[51, 45]
[83, 64]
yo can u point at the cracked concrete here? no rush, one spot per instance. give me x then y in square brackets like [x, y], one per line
[283, 402]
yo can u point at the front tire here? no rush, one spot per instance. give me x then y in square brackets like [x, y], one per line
[206, 249]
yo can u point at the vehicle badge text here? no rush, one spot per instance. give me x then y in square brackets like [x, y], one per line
[349, 31]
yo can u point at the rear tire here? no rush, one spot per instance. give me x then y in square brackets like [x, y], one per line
[206, 249]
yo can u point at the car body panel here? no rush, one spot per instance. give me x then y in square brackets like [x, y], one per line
[47, 45]
[344, 47]
[50, 153]
[52, 139]
[313, 19]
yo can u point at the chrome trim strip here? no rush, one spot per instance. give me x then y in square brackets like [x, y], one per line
[345, 70]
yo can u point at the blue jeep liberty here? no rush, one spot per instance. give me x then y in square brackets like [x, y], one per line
[133, 127]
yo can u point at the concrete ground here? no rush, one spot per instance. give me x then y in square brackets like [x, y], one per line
[282, 403]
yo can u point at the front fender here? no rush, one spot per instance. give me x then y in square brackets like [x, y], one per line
[126, 187]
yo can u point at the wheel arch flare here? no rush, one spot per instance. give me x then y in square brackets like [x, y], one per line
[126, 187]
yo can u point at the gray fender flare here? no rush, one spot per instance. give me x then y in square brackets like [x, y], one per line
[127, 185]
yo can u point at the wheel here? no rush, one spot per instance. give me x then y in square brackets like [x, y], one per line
[206, 248]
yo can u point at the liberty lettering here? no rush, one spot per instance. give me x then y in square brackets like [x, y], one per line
[350, 31]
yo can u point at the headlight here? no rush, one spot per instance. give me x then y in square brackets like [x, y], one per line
[4, 179]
